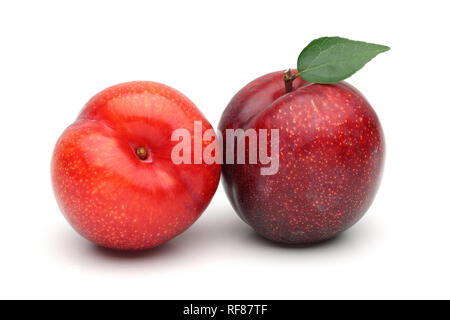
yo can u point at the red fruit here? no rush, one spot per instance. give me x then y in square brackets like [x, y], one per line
[331, 151]
[112, 171]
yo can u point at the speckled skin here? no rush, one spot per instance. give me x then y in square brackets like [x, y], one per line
[111, 196]
[331, 159]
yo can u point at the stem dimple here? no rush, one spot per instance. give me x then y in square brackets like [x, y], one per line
[141, 153]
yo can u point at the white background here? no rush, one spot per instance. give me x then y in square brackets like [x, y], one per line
[55, 55]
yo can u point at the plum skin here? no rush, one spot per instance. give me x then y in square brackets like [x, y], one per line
[331, 157]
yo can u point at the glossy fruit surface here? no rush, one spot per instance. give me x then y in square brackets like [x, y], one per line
[112, 172]
[331, 154]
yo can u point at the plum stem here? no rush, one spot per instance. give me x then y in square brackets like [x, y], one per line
[141, 153]
[288, 78]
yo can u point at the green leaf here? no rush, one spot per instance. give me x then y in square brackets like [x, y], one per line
[332, 59]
